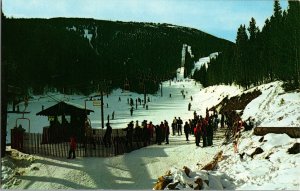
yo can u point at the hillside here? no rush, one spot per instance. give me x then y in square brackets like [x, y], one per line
[77, 54]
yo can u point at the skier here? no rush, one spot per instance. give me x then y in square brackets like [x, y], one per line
[189, 106]
[131, 111]
[113, 115]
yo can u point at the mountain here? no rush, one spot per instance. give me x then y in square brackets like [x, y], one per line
[76, 54]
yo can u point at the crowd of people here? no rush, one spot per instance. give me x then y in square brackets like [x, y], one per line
[202, 129]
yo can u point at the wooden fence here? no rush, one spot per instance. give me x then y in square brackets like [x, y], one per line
[31, 143]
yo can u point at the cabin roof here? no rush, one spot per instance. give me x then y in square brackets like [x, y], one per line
[65, 108]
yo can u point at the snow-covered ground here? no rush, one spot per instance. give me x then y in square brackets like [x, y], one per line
[274, 108]
[141, 168]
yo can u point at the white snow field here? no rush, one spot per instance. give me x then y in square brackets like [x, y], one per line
[140, 169]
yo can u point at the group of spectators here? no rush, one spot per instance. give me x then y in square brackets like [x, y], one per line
[145, 132]
[202, 128]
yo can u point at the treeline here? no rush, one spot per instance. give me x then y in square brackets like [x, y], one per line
[260, 56]
[81, 55]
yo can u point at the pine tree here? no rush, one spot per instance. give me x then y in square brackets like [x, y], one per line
[253, 29]
[277, 10]
[293, 27]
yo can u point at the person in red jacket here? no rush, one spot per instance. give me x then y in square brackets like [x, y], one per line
[73, 145]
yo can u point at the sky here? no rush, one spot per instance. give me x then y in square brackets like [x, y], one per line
[217, 17]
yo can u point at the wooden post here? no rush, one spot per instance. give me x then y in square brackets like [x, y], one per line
[102, 112]
[3, 116]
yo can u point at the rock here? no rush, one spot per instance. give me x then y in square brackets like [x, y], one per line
[199, 183]
[161, 183]
[295, 149]
[261, 139]
[242, 155]
[187, 171]
[168, 173]
[35, 168]
[172, 186]
[257, 151]
[218, 157]
[268, 156]
[206, 181]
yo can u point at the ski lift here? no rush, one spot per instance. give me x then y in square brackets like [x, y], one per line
[23, 118]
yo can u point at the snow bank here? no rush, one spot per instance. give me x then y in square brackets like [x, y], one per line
[14, 164]
[274, 168]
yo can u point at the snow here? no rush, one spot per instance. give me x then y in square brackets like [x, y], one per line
[281, 171]
[140, 169]
[71, 28]
[214, 55]
[274, 108]
[203, 61]
[87, 35]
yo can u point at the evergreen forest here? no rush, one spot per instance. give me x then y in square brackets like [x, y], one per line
[260, 55]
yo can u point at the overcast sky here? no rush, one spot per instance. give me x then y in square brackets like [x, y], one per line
[218, 17]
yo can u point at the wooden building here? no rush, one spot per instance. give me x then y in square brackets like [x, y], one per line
[66, 119]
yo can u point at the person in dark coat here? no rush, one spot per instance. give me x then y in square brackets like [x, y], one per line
[167, 130]
[107, 135]
[138, 131]
[198, 132]
[186, 130]
[210, 132]
[179, 126]
[222, 121]
[146, 134]
[158, 133]
[73, 145]
[204, 131]
[129, 134]
[163, 131]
